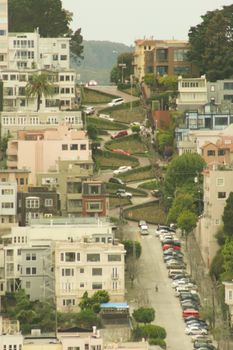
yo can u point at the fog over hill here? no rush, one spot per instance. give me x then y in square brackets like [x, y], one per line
[99, 58]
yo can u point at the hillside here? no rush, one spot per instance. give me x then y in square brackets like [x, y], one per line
[99, 58]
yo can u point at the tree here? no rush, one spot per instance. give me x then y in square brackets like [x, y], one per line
[187, 221]
[149, 331]
[93, 303]
[228, 216]
[144, 314]
[227, 253]
[164, 138]
[182, 202]
[39, 85]
[181, 171]
[211, 44]
[46, 15]
[92, 132]
[132, 248]
[118, 71]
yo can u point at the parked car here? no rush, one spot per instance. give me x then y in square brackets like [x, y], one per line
[115, 180]
[92, 83]
[107, 117]
[121, 151]
[144, 230]
[124, 195]
[119, 134]
[122, 169]
[195, 330]
[116, 102]
[142, 222]
[190, 312]
[200, 338]
[88, 110]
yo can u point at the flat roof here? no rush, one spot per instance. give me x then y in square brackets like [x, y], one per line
[114, 306]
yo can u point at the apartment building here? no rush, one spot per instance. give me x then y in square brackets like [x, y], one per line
[63, 143]
[161, 57]
[28, 251]
[84, 266]
[193, 93]
[8, 204]
[218, 153]
[12, 122]
[37, 202]
[229, 298]
[220, 91]
[217, 186]
[3, 33]
[20, 176]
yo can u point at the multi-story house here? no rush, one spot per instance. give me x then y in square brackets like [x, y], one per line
[63, 143]
[229, 299]
[8, 204]
[83, 266]
[192, 93]
[20, 176]
[218, 153]
[161, 57]
[220, 91]
[36, 203]
[12, 122]
[217, 186]
[29, 255]
[3, 33]
[10, 336]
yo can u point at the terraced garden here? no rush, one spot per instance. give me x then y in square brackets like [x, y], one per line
[131, 144]
[111, 160]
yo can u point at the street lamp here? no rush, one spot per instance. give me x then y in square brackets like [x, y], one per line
[122, 66]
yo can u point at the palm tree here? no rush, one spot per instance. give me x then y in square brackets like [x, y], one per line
[39, 85]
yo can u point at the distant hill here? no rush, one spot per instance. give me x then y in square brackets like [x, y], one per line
[99, 58]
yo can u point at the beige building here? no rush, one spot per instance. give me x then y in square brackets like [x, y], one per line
[3, 33]
[84, 266]
[30, 149]
[161, 57]
[217, 186]
[229, 298]
[192, 92]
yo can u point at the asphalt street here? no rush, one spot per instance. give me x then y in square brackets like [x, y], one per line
[152, 271]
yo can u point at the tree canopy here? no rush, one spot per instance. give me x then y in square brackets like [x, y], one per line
[47, 15]
[228, 216]
[39, 85]
[144, 314]
[211, 44]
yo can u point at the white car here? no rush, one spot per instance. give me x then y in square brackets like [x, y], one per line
[122, 169]
[107, 117]
[116, 102]
[124, 195]
[88, 110]
[144, 230]
[195, 330]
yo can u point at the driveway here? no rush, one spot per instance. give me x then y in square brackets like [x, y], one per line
[112, 90]
[152, 271]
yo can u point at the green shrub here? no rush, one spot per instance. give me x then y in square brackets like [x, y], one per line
[149, 331]
[158, 341]
[144, 314]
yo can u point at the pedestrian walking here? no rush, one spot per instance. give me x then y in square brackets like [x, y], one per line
[156, 288]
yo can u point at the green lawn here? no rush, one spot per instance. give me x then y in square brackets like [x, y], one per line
[111, 160]
[90, 96]
[131, 144]
[106, 124]
[149, 185]
[150, 212]
[115, 202]
[138, 174]
[124, 114]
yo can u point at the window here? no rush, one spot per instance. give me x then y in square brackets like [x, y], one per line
[96, 272]
[78, 256]
[73, 147]
[28, 256]
[63, 46]
[63, 57]
[68, 302]
[67, 272]
[220, 181]
[93, 257]
[7, 191]
[83, 147]
[210, 152]
[221, 152]
[30, 270]
[96, 285]
[64, 147]
[94, 206]
[94, 189]
[217, 222]
[33, 256]
[162, 70]
[32, 202]
[228, 86]
[21, 181]
[48, 202]
[55, 57]
[181, 70]
[161, 54]
[228, 98]
[81, 270]
[7, 205]
[73, 348]
[33, 270]
[81, 285]
[69, 256]
[114, 257]
[230, 293]
[180, 55]
[221, 195]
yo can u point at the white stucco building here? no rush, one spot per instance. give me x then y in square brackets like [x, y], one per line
[8, 204]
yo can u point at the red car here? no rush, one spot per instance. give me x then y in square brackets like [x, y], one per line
[121, 151]
[119, 134]
[167, 246]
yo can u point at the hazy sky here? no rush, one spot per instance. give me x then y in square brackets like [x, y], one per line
[124, 21]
